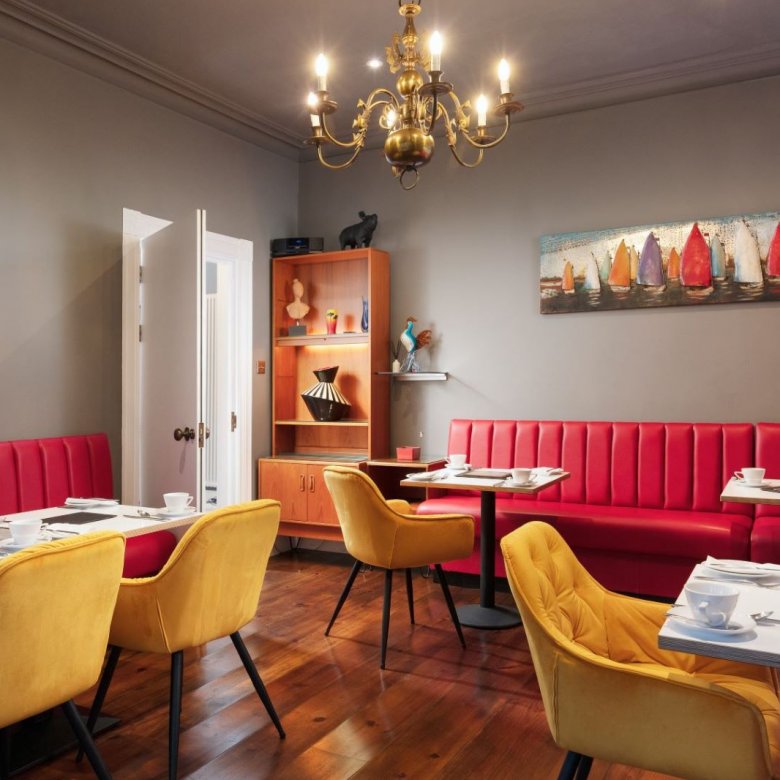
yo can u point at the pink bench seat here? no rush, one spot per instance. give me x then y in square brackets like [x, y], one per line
[39, 473]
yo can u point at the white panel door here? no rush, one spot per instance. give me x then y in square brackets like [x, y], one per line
[171, 296]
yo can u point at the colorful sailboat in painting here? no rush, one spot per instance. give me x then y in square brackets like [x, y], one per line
[717, 258]
[651, 270]
[620, 273]
[606, 267]
[695, 260]
[567, 280]
[633, 262]
[673, 266]
[592, 281]
[747, 260]
[773, 256]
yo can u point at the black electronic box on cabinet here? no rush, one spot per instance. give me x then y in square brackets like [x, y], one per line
[295, 246]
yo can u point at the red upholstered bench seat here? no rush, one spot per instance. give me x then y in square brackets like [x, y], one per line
[39, 473]
[643, 503]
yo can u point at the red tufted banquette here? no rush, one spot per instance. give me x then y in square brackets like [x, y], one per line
[38, 473]
[642, 505]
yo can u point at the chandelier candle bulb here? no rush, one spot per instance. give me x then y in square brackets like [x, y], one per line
[321, 71]
[435, 46]
[481, 111]
[503, 76]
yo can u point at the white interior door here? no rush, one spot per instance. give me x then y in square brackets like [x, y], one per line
[170, 360]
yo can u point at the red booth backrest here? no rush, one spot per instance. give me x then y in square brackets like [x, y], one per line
[768, 457]
[648, 465]
[38, 473]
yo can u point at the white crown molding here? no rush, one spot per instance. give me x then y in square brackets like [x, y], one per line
[24, 23]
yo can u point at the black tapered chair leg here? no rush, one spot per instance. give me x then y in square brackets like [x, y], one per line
[583, 770]
[174, 712]
[5, 753]
[571, 764]
[344, 594]
[445, 588]
[100, 695]
[386, 614]
[254, 676]
[85, 740]
[410, 595]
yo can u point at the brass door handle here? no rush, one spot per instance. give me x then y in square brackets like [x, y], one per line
[311, 483]
[302, 486]
[187, 434]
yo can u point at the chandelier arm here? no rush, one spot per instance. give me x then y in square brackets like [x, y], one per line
[434, 114]
[493, 143]
[462, 162]
[356, 137]
[334, 166]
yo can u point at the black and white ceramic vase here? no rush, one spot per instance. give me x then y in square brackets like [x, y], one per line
[324, 400]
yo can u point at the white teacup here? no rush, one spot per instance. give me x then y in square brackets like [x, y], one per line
[712, 603]
[521, 476]
[24, 531]
[751, 476]
[176, 502]
[456, 460]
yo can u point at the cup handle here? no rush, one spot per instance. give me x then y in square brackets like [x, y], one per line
[739, 475]
[189, 500]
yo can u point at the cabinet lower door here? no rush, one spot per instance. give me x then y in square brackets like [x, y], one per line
[320, 505]
[287, 483]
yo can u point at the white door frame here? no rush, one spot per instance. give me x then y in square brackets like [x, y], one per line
[238, 252]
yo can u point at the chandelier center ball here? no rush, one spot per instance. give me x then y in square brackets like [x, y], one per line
[409, 81]
[409, 147]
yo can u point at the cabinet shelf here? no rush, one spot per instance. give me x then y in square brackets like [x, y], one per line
[313, 339]
[420, 376]
[320, 423]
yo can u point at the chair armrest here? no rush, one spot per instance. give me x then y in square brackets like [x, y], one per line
[401, 506]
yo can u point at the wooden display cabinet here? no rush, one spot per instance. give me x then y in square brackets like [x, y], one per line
[301, 446]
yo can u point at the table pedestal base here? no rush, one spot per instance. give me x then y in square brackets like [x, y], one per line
[495, 618]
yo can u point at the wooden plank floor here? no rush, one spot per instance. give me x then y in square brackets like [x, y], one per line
[437, 712]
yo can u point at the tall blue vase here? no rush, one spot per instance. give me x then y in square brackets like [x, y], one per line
[364, 318]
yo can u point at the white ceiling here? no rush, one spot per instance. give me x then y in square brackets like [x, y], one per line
[247, 66]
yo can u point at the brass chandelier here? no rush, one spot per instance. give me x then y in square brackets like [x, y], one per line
[411, 119]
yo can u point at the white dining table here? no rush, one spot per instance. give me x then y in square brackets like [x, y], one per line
[761, 645]
[736, 491]
[124, 518]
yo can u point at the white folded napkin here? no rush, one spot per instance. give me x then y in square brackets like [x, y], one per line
[744, 565]
[82, 502]
[548, 470]
[68, 528]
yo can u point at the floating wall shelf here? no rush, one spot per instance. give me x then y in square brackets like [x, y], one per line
[420, 376]
[322, 338]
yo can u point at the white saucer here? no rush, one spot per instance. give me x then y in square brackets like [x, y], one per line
[739, 626]
[165, 512]
[512, 483]
[458, 469]
[12, 546]
[762, 484]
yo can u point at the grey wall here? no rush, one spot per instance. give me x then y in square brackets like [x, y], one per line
[73, 152]
[464, 254]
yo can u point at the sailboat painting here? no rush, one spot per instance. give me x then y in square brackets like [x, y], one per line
[723, 260]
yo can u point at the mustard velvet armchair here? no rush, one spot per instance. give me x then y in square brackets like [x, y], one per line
[56, 602]
[208, 589]
[609, 692]
[387, 535]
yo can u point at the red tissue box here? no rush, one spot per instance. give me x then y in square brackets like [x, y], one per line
[407, 453]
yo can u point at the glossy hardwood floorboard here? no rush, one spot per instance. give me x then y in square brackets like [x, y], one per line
[437, 712]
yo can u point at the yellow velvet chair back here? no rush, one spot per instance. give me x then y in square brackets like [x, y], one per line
[609, 692]
[56, 603]
[210, 586]
[379, 535]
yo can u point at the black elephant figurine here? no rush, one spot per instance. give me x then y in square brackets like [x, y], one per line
[360, 234]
